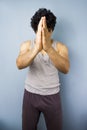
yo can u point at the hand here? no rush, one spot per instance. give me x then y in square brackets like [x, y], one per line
[46, 35]
[38, 41]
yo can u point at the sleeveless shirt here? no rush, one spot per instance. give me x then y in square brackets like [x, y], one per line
[42, 77]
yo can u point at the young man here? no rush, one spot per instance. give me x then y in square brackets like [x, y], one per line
[44, 57]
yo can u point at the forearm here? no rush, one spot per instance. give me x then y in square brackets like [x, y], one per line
[59, 62]
[26, 59]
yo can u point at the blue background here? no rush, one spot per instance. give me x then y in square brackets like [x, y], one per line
[71, 29]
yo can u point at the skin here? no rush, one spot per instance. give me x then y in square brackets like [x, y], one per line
[43, 44]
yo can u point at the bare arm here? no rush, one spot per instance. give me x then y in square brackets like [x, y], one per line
[60, 58]
[26, 55]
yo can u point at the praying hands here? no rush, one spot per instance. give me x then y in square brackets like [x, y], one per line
[43, 40]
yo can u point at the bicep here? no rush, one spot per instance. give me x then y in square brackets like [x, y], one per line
[63, 51]
[24, 47]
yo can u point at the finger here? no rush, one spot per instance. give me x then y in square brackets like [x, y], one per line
[40, 23]
[39, 33]
[44, 22]
[43, 34]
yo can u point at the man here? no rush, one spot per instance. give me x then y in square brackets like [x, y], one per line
[44, 57]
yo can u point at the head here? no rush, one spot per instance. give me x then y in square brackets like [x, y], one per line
[50, 19]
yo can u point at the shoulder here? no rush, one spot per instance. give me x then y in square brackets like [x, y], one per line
[61, 47]
[25, 45]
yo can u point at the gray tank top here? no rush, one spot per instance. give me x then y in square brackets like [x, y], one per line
[42, 77]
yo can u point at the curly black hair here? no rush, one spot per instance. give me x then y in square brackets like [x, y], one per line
[50, 19]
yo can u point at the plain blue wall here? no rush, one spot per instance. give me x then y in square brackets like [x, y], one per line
[71, 29]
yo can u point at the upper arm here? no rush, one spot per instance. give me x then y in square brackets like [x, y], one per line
[24, 47]
[62, 50]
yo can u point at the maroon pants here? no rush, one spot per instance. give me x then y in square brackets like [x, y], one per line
[34, 104]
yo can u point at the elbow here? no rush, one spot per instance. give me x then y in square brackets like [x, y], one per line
[67, 68]
[66, 71]
[18, 63]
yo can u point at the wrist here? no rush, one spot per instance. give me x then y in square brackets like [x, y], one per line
[36, 50]
[49, 49]
[36, 47]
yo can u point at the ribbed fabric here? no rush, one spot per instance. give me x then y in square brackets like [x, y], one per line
[42, 76]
